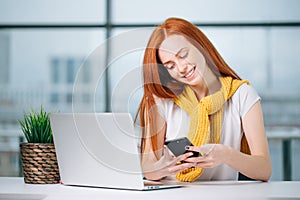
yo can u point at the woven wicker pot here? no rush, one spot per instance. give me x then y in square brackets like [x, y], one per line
[39, 163]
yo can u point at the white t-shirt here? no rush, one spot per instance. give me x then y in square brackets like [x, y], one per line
[235, 108]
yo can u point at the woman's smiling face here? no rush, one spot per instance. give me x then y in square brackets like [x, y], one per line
[184, 62]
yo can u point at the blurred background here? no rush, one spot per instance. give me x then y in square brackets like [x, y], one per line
[85, 56]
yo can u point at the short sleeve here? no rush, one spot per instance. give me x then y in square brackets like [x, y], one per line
[246, 96]
[161, 105]
[177, 120]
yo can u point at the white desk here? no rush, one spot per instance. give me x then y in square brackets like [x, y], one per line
[15, 188]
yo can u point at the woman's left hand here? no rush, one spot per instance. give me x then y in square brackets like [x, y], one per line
[212, 155]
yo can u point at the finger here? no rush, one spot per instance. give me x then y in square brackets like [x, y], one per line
[205, 165]
[193, 148]
[180, 158]
[167, 153]
[178, 168]
[207, 148]
[184, 156]
[195, 159]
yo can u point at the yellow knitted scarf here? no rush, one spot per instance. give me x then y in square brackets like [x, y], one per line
[206, 119]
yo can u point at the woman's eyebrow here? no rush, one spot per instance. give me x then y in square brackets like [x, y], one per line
[167, 62]
[180, 50]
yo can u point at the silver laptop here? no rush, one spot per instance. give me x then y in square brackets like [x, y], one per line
[99, 150]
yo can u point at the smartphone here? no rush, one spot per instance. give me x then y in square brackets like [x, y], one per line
[177, 146]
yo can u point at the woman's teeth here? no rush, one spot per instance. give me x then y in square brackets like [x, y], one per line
[190, 73]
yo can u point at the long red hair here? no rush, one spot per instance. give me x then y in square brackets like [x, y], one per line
[157, 80]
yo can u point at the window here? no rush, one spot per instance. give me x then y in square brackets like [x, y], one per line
[55, 70]
[54, 53]
[70, 66]
[4, 57]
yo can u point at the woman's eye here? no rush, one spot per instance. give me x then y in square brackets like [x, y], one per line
[169, 66]
[183, 54]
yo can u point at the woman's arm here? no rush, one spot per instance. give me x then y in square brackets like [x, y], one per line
[257, 165]
[157, 165]
[167, 165]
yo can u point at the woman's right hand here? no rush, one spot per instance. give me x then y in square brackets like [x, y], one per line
[167, 165]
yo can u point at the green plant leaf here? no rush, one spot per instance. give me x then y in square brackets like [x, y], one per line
[36, 126]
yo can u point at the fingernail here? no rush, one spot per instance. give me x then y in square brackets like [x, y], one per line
[187, 147]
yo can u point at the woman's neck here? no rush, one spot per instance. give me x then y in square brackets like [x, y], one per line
[210, 84]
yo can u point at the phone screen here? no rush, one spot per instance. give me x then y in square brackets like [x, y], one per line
[177, 146]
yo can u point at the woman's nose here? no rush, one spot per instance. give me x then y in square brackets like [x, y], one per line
[182, 67]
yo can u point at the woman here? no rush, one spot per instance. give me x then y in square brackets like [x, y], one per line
[189, 90]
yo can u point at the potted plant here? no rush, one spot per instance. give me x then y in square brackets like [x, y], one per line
[38, 153]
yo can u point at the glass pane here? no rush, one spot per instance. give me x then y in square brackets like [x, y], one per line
[155, 11]
[275, 147]
[268, 57]
[125, 68]
[52, 11]
[55, 70]
[244, 50]
[295, 160]
[285, 60]
[43, 67]
[265, 56]
[4, 57]
[283, 96]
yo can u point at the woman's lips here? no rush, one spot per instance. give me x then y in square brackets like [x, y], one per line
[190, 73]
